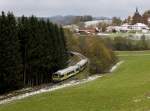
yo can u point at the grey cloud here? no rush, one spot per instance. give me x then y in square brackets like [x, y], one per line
[108, 8]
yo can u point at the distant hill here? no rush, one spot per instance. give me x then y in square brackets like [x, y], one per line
[63, 20]
[102, 18]
[71, 19]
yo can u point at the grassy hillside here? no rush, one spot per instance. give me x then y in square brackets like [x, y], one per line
[127, 89]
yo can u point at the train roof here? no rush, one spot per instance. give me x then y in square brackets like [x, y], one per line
[82, 62]
[69, 69]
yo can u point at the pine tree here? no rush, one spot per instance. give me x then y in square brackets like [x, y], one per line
[31, 49]
[9, 49]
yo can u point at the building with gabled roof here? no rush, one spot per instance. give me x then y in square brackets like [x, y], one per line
[137, 17]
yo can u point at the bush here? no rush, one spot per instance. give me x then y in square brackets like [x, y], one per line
[100, 56]
[99, 53]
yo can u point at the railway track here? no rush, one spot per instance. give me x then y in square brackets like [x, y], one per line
[37, 88]
[52, 86]
[20, 94]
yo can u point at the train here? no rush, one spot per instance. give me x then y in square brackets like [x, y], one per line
[64, 74]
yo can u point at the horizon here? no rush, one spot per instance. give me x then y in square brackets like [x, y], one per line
[98, 8]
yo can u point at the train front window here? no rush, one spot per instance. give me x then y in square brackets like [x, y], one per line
[55, 75]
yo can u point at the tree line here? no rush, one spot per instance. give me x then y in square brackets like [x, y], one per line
[79, 19]
[30, 51]
[127, 44]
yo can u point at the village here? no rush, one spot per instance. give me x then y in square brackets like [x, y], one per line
[136, 25]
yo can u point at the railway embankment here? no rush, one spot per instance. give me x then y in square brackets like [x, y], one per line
[54, 87]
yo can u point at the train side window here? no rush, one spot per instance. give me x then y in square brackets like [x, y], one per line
[62, 76]
[72, 71]
[68, 74]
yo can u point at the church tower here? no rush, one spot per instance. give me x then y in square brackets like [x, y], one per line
[137, 11]
[137, 18]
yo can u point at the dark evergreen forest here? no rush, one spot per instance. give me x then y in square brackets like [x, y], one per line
[30, 51]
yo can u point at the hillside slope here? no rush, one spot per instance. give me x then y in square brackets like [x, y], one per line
[127, 89]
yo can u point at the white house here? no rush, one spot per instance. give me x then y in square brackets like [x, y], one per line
[140, 26]
[126, 27]
[95, 23]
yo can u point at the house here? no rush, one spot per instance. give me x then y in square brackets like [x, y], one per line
[88, 31]
[113, 29]
[140, 26]
[127, 27]
[95, 23]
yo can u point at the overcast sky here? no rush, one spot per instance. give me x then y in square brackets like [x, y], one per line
[47, 8]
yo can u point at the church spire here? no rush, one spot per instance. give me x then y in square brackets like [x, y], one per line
[137, 11]
[137, 18]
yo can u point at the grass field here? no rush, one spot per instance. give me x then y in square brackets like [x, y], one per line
[127, 34]
[126, 89]
[133, 53]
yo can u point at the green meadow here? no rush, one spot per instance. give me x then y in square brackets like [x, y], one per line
[126, 89]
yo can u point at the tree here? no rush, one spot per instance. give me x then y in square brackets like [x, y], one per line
[32, 50]
[101, 57]
[23, 30]
[142, 44]
[10, 63]
[146, 16]
[103, 26]
[116, 21]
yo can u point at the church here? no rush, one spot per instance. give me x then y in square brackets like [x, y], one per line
[138, 18]
[136, 23]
